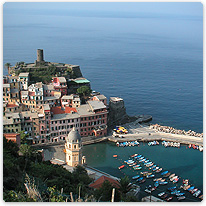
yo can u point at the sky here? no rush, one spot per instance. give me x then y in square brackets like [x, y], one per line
[175, 8]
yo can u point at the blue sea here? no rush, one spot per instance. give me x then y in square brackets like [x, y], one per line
[153, 60]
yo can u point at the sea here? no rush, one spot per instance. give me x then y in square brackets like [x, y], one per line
[154, 62]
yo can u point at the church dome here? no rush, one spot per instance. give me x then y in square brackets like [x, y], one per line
[73, 136]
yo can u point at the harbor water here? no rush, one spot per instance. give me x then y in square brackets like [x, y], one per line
[185, 162]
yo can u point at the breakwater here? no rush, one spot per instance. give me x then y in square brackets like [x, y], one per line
[172, 130]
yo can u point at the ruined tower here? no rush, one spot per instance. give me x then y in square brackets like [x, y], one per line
[40, 57]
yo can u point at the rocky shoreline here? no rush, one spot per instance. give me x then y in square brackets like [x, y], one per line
[172, 130]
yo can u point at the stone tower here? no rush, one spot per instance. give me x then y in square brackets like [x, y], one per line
[73, 149]
[40, 57]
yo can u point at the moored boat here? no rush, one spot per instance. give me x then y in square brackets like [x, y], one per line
[135, 177]
[163, 183]
[122, 166]
[165, 172]
[196, 194]
[159, 170]
[180, 198]
[149, 176]
[161, 194]
[137, 168]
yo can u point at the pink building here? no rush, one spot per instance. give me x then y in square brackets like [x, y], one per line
[101, 98]
[93, 120]
[60, 85]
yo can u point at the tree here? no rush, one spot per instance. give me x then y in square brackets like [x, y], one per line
[84, 91]
[8, 66]
[104, 193]
[125, 186]
[23, 136]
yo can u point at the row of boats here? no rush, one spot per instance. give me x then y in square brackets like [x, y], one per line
[125, 144]
[170, 144]
[138, 159]
[200, 148]
[153, 143]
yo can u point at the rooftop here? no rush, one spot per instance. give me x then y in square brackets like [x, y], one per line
[98, 183]
[80, 80]
[65, 116]
[116, 99]
[84, 109]
[59, 110]
[101, 97]
[24, 74]
[95, 105]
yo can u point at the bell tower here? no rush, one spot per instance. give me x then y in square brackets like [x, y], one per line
[73, 149]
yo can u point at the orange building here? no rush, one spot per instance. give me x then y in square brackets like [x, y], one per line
[15, 137]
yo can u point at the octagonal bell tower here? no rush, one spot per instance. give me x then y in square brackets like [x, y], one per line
[73, 149]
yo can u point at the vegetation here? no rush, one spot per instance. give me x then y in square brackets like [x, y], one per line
[84, 92]
[26, 178]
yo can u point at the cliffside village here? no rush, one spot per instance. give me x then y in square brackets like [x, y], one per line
[48, 112]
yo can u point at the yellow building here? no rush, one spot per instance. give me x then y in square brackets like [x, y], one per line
[73, 149]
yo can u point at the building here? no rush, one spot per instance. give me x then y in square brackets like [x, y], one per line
[24, 80]
[62, 124]
[11, 123]
[70, 100]
[74, 84]
[93, 120]
[98, 183]
[73, 148]
[15, 137]
[60, 85]
[101, 98]
[48, 90]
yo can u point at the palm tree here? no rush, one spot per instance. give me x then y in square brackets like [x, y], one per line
[125, 186]
[8, 66]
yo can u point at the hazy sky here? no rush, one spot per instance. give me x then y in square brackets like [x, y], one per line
[175, 8]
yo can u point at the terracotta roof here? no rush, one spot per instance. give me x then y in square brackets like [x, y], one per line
[31, 93]
[11, 105]
[58, 110]
[98, 183]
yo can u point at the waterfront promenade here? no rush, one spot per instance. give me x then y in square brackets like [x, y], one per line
[144, 133]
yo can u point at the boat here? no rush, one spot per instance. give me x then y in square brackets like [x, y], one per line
[159, 170]
[128, 161]
[164, 196]
[142, 181]
[161, 194]
[165, 172]
[175, 180]
[191, 188]
[135, 177]
[194, 190]
[134, 155]
[201, 197]
[175, 192]
[196, 194]
[163, 183]
[142, 173]
[149, 176]
[147, 190]
[180, 198]
[157, 179]
[122, 166]
[169, 199]
[139, 179]
[166, 175]
[179, 194]
[114, 155]
[172, 175]
[172, 188]
[154, 169]
[147, 163]
[156, 184]
[137, 168]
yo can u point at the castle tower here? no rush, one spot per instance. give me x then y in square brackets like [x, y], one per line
[40, 57]
[73, 149]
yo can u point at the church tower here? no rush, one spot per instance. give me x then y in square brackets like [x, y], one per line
[73, 149]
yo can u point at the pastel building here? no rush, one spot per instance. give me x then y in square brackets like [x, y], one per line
[73, 148]
[62, 124]
[24, 81]
[93, 121]
[48, 90]
[36, 93]
[60, 84]
[11, 123]
[101, 98]
[70, 100]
